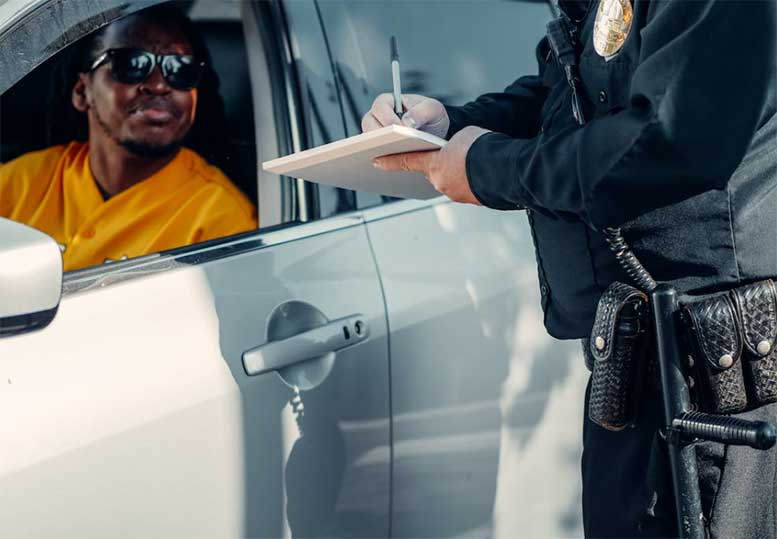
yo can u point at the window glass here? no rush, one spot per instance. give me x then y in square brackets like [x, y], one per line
[324, 121]
[146, 139]
[453, 51]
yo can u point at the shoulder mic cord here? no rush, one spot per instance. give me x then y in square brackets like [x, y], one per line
[628, 260]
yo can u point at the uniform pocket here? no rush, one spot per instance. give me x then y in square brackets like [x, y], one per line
[710, 462]
[607, 84]
[738, 486]
[658, 519]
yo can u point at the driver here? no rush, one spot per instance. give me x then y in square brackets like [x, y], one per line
[130, 188]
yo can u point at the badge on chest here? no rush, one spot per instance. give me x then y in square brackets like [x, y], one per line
[612, 26]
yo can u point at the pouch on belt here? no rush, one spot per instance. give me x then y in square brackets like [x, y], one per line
[732, 338]
[717, 347]
[756, 306]
[617, 349]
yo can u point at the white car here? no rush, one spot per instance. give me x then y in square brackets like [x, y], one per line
[357, 367]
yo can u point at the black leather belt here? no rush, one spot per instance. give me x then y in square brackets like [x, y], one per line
[729, 338]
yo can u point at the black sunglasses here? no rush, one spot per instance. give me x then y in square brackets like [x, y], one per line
[133, 66]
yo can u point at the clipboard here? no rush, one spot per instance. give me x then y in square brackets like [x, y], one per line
[347, 163]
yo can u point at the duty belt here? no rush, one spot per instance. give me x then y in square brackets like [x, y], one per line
[725, 341]
[728, 342]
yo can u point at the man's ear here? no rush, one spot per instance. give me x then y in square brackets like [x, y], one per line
[79, 96]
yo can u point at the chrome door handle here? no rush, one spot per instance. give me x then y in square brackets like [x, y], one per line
[333, 336]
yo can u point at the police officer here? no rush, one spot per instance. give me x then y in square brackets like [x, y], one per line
[670, 132]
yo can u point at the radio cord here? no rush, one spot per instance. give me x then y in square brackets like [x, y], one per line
[628, 261]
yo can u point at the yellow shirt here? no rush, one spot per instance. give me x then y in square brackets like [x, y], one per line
[187, 201]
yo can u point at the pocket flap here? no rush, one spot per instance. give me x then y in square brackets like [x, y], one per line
[757, 309]
[611, 304]
[714, 326]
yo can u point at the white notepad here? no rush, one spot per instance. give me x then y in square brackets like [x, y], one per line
[347, 163]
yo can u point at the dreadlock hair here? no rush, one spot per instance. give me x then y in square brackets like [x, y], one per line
[208, 135]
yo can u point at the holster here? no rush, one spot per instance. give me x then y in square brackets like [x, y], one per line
[732, 341]
[616, 352]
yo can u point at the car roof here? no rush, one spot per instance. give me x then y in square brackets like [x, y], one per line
[11, 10]
[26, 42]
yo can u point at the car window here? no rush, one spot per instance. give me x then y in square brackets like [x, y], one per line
[453, 51]
[208, 190]
[323, 119]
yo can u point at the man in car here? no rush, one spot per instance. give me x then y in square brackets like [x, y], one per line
[131, 188]
[668, 130]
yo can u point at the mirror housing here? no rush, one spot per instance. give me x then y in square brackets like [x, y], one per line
[30, 278]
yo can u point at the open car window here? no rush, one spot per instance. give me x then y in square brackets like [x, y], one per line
[220, 165]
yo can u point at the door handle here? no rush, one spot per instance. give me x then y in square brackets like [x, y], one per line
[311, 344]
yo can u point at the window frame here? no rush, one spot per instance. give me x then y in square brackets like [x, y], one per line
[268, 56]
[68, 21]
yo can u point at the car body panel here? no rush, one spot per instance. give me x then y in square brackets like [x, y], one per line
[472, 375]
[132, 410]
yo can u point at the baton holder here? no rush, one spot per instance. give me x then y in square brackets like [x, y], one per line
[683, 425]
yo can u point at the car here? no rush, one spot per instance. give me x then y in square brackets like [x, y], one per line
[359, 366]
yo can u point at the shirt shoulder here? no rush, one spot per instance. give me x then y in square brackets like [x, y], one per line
[33, 163]
[25, 179]
[216, 181]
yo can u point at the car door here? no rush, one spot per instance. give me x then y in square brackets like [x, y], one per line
[233, 388]
[486, 408]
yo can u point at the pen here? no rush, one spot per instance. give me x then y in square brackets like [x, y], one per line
[395, 77]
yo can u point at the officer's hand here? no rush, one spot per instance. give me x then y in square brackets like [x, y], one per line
[446, 169]
[421, 112]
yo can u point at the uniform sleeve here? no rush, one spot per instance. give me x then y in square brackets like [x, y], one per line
[515, 112]
[697, 97]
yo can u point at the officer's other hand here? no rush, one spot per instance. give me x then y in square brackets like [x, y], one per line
[423, 113]
[446, 168]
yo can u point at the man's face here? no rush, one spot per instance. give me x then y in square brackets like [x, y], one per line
[149, 118]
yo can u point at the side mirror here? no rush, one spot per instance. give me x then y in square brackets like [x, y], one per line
[30, 278]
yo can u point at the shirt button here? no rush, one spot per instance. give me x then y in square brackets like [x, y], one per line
[88, 233]
[544, 290]
[603, 97]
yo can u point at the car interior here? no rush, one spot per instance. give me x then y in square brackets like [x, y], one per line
[223, 25]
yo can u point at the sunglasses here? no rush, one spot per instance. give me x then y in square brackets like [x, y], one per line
[134, 66]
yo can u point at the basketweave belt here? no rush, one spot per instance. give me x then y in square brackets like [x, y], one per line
[728, 338]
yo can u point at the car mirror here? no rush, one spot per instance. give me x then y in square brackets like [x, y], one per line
[30, 278]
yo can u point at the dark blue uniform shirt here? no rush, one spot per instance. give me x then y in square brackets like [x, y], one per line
[680, 149]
